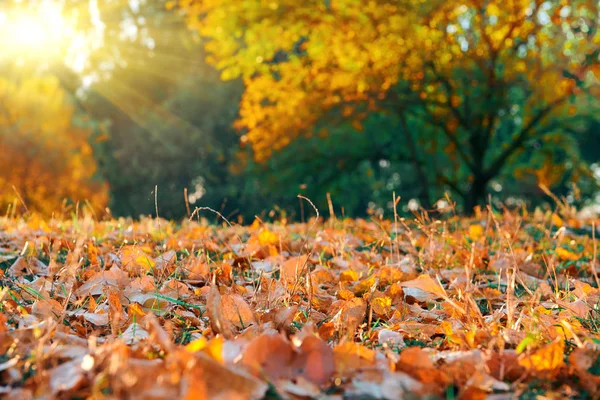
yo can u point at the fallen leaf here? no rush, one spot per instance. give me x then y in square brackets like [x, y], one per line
[66, 377]
[269, 355]
[46, 309]
[214, 310]
[475, 232]
[236, 311]
[381, 305]
[96, 318]
[352, 356]
[548, 358]
[390, 337]
[426, 284]
[292, 268]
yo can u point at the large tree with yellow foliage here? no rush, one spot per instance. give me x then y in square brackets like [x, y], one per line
[474, 84]
[46, 158]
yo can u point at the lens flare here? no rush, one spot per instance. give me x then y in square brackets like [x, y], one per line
[39, 31]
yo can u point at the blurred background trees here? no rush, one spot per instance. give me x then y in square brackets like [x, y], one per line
[244, 104]
[46, 155]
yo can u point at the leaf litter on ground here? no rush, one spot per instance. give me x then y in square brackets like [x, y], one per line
[498, 305]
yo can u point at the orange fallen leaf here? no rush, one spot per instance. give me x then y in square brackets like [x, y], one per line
[292, 268]
[351, 356]
[426, 284]
[269, 355]
[214, 310]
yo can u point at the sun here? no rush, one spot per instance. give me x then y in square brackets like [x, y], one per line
[35, 31]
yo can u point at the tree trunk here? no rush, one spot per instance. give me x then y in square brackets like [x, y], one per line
[475, 196]
[424, 197]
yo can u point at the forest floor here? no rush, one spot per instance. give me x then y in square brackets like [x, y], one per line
[499, 305]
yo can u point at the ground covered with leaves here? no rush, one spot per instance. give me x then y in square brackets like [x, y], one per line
[499, 305]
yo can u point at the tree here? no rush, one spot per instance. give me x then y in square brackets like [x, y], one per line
[483, 82]
[46, 157]
[166, 120]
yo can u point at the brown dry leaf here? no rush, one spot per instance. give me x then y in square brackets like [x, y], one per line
[114, 277]
[315, 361]
[580, 308]
[269, 355]
[237, 311]
[197, 270]
[134, 334]
[582, 361]
[66, 377]
[282, 318]
[292, 268]
[47, 309]
[353, 313]
[157, 332]
[352, 356]
[92, 304]
[300, 388]
[273, 356]
[25, 266]
[345, 294]
[390, 337]
[220, 380]
[196, 387]
[11, 393]
[115, 311]
[504, 365]
[381, 384]
[164, 262]
[175, 335]
[418, 364]
[415, 357]
[96, 318]
[214, 310]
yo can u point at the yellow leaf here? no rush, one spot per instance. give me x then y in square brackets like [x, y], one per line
[448, 330]
[566, 255]
[475, 232]
[196, 345]
[493, 10]
[365, 285]
[543, 310]
[348, 276]
[134, 310]
[214, 348]
[548, 358]
[596, 70]
[345, 294]
[134, 256]
[556, 220]
[381, 305]
[267, 237]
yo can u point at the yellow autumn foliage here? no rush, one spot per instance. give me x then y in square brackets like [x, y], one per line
[301, 59]
[46, 159]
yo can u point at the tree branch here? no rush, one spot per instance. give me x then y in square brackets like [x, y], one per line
[521, 138]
